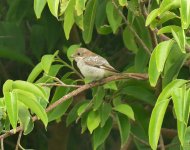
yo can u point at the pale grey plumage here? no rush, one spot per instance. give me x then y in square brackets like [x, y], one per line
[91, 65]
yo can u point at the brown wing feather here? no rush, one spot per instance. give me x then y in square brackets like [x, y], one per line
[99, 62]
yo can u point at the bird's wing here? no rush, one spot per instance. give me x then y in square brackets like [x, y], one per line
[99, 62]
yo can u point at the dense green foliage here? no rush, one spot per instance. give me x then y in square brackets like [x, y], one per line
[135, 36]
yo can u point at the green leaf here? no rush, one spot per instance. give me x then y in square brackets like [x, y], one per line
[89, 18]
[123, 2]
[180, 38]
[162, 51]
[32, 104]
[98, 96]
[7, 86]
[31, 88]
[111, 85]
[153, 72]
[159, 111]
[129, 40]
[71, 50]
[185, 13]
[12, 108]
[168, 4]
[114, 18]
[35, 73]
[101, 133]
[93, 121]
[126, 110]
[72, 115]
[124, 128]
[153, 14]
[38, 7]
[80, 6]
[79, 20]
[105, 112]
[62, 108]
[53, 6]
[141, 93]
[82, 108]
[69, 18]
[179, 99]
[24, 117]
[63, 6]
[168, 29]
[47, 60]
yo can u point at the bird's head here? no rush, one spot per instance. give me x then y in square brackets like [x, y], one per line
[81, 53]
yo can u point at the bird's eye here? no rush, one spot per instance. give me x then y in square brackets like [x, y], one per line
[78, 54]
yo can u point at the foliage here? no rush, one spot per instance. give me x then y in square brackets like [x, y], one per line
[147, 37]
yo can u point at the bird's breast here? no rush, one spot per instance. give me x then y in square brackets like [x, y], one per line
[90, 72]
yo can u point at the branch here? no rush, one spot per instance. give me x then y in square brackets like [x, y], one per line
[148, 51]
[2, 144]
[18, 140]
[75, 92]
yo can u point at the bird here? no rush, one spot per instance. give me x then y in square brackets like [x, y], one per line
[92, 66]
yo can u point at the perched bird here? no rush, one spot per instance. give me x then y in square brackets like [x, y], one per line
[92, 66]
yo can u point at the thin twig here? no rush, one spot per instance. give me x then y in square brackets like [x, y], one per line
[2, 144]
[161, 145]
[58, 84]
[75, 92]
[139, 139]
[18, 140]
[152, 33]
[148, 51]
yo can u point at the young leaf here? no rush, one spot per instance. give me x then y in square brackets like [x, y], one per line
[89, 18]
[82, 108]
[53, 6]
[123, 2]
[153, 72]
[126, 110]
[159, 111]
[93, 121]
[38, 7]
[101, 133]
[114, 18]
[69, 18]
[32, 104]
[168, 29]
[98, 97]
[12, 108]
[152, 16]
[124, 128]
[185, 13]
[80, 6]
[180, 38]
[162, 51]
[35, 72]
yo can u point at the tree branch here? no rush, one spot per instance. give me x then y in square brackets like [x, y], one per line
[116, 77]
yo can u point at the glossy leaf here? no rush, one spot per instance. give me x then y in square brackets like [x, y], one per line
[126, 110]
[63, 6]
[110, 85]
[7, 86]
[185, 13]
[89, 19]
[93, 121]
[12, 108]
[168, 29]
[152, 16]
[82, 108]
[162, 51]
[123, 2]
[35, 73]
[80, 6]
[38, 7]
[124, 128]
[159, 111]
[46, 62]
[53, 6]
[69, 18]
[32, 104]
[180, 38]
[101, 133]
[153, 72]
